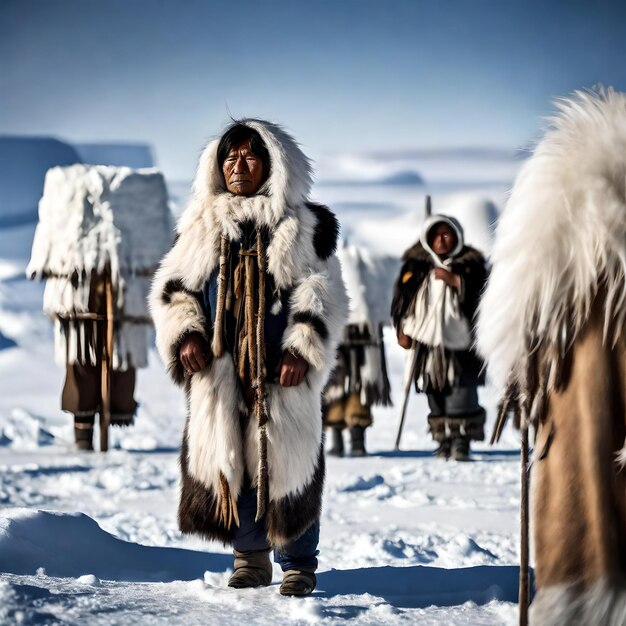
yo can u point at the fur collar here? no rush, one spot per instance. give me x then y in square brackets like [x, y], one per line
[561, 235]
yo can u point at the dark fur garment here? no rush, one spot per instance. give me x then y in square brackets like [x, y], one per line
[197, 505]
[326, 230]
[290, 517]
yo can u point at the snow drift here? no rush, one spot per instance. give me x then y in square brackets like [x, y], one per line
[74, 545]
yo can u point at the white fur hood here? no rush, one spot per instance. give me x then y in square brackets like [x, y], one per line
[454, 224]
[301, 232]
[562, 232]
[287, 186]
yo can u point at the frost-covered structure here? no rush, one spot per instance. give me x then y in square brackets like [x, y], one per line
[92, 220]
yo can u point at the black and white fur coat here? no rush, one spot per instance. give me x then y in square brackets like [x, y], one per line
[417, 265]
[301, 262]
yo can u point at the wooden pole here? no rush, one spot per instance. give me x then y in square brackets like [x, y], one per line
[107, 358]
[524, 577]
[407, 393]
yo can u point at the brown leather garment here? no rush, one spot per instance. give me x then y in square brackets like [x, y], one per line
[579, 490]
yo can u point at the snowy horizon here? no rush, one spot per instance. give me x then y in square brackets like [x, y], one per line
[355, 76]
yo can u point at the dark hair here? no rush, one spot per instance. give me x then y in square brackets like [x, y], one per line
[237, 134]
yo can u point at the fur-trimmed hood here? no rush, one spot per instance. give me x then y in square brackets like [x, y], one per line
[288, 184]
[417, 252]
[561, 236]
[453, 223]
[281, 205]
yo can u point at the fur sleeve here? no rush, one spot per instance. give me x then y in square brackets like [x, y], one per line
[318, 311]
[411, 277]
[474, 274]
[177, 312]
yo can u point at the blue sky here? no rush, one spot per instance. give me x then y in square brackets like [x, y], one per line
[343, 75]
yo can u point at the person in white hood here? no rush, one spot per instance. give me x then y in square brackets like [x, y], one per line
[435, 301]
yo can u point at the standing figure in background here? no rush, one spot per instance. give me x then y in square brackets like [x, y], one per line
[359, 380]
[434, 304]
[101, 233]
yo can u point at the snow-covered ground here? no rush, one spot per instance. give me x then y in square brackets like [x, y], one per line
[92, 538]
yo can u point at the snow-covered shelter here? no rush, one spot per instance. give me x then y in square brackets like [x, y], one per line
[92, 220]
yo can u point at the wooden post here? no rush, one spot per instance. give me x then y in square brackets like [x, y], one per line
[428, 210]
[429, 207]
[407, 393]
[106, 364]
[524, 577]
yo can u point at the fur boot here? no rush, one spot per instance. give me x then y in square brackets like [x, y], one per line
[357, 441]
[460, 449]
[298, 582]
[337, 448]
[83, 431]
[252, 569]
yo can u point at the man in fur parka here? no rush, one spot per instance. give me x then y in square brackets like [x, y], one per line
[434, 304]
[249, 307]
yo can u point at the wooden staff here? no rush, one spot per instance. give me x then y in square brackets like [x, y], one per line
[524, 577]
[429, 207]
[106, 364]
[407, 393]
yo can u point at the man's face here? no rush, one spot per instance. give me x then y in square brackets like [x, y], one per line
[443, 239]
[243, 170]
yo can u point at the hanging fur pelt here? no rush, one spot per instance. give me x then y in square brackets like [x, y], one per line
[302, 266]
[551, 326]
[369, 290]
[95, 219]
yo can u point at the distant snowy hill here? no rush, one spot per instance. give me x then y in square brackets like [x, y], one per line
[23, 165]
[24, 162]
[438, 169]
[135, 155]
[406, 177]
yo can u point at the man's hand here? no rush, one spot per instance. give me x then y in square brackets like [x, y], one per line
[191, 354]
[454, 280]
[404, 340]
[292, 369]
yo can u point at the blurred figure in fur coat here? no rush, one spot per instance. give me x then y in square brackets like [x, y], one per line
[359, 380]
[101, 233]
[551, 327]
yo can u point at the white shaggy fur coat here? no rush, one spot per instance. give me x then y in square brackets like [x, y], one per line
[302, 264]
[563, 228]
[551, 326]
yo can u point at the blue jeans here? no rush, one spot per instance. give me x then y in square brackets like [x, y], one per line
[250, 535]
